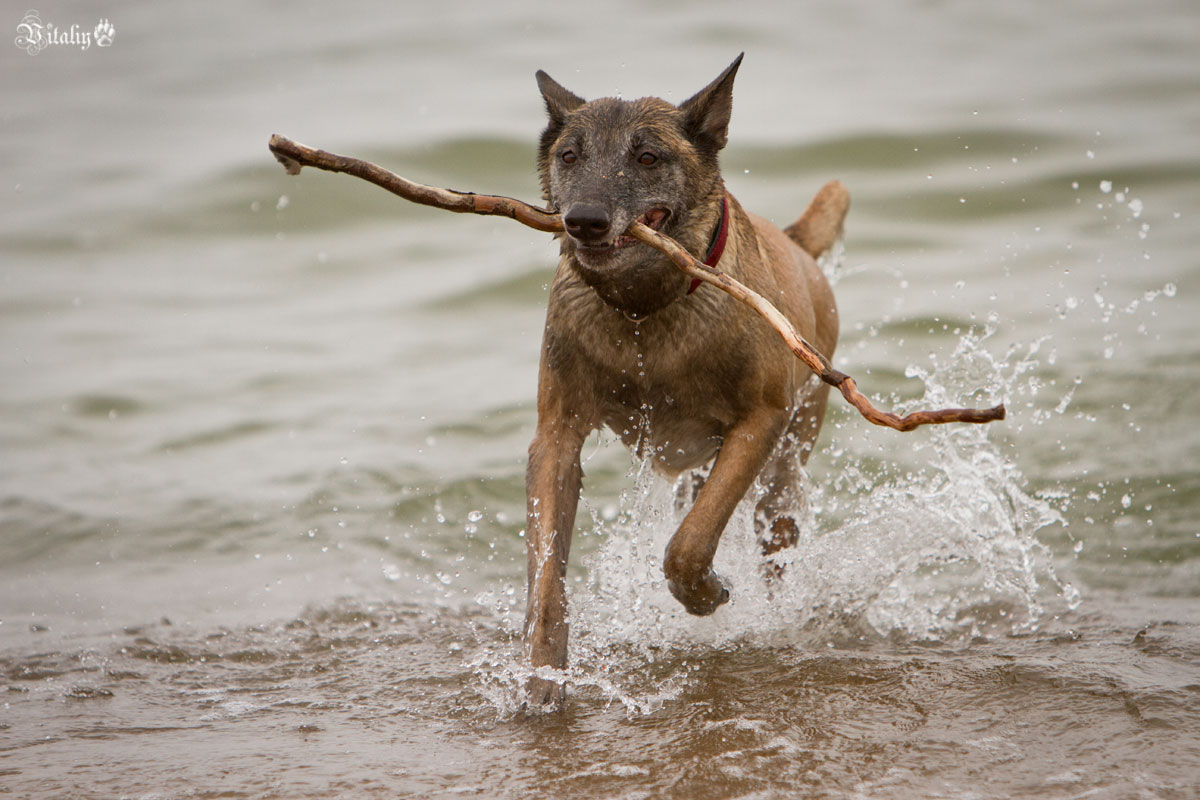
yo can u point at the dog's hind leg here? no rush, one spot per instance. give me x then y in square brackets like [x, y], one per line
[821, 223]
[777, 511]
[687, 488]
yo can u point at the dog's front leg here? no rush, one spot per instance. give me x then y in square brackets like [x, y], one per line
[688, 563]
[552, 485]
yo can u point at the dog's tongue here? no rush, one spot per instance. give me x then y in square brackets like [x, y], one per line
[654, 218]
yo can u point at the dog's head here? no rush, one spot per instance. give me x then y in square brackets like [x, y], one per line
[608, 162]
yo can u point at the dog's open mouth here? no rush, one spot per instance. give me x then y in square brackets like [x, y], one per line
[654, 219]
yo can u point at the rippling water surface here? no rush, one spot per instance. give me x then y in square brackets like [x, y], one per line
[261, 493]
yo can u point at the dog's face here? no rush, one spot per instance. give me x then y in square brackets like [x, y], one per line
[608, 162]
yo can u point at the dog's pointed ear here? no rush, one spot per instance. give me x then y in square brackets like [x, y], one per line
[559, 101]
[706, 113]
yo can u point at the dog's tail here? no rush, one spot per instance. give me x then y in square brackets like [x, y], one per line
[821, 223]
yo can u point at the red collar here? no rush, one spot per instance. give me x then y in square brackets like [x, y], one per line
[717, 246]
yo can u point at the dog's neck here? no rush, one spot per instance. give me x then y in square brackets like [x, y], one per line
[655, 282]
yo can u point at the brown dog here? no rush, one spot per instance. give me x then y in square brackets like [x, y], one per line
[684, 374]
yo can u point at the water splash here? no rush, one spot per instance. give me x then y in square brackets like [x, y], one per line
[947, 552]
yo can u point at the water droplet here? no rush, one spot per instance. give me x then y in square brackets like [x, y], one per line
[1126, 501]
[475, 516]
[282, 203]
[1106, 186]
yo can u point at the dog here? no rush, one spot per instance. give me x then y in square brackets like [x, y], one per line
[683, 373]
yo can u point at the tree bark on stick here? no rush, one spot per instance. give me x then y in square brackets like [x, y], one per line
[294, 155]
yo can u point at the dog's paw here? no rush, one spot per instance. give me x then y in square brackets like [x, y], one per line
[544, 695]
[704, 597]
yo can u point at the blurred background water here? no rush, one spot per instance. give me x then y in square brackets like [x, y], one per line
[263, 437]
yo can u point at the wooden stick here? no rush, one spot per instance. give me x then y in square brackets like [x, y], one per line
[294, 155]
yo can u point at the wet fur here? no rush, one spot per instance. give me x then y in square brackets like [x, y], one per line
[682, 378]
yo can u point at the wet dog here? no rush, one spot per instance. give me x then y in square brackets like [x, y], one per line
[682, 372]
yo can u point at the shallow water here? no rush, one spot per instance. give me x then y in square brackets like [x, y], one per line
[263, 437]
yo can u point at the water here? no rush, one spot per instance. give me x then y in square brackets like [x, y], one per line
[263, 437]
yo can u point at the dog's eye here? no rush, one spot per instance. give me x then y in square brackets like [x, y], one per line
[568, 157]
[647, 159]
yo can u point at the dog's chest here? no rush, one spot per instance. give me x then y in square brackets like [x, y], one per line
[669, 396]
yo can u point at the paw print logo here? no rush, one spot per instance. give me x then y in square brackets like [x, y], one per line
[31, 34]
[104, 33]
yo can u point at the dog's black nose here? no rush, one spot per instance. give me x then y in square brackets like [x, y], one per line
[585, 222]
